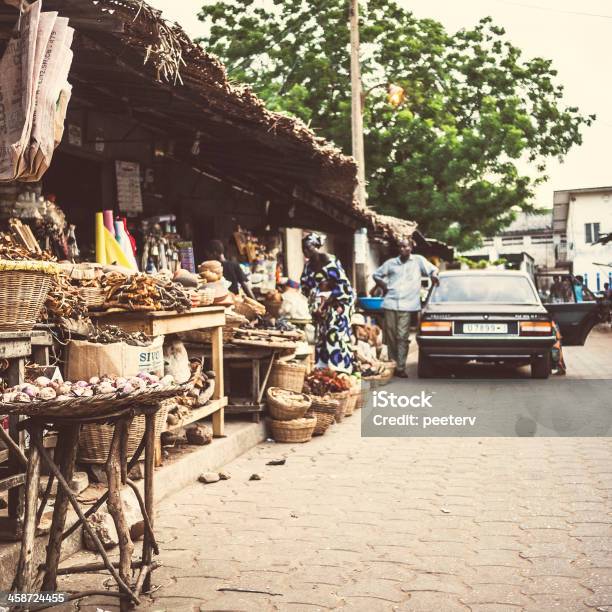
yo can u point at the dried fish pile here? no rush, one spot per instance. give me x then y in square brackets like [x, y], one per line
[142, 292]
[109, 334]
[12, 250]
[64, 300]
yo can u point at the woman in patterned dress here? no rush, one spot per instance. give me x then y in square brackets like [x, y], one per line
[331, 299]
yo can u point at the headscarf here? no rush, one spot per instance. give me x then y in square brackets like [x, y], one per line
[313, 240]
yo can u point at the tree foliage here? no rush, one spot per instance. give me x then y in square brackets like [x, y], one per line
[453, 156]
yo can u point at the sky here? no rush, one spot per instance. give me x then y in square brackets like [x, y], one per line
[575, 35]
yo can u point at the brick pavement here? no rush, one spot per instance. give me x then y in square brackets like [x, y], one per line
[455, 524]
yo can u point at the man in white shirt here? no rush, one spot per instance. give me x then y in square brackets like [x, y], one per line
[400, 280]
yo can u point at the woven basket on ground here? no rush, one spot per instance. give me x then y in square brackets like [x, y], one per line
[287, 376]
[285, 405]
[95, 439]
[362, 398]
[94, 297]
[354, 393]
[325, 411]
[24, 286]
[343, 399]
[297, 430]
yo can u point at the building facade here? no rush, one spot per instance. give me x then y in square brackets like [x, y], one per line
[527, 241]
[580, 218]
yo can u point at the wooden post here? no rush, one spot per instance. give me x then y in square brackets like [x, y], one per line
[218, 418]
[24, 580]
[115, 505]
[149, 494]
[67, 442]
[15, 375]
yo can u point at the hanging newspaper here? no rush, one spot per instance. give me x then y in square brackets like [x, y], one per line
[129, 194]
[34, 93]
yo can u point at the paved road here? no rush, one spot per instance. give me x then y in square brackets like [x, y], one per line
[427, 524]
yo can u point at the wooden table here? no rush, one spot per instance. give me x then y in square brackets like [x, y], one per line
[170, 322]
[15, 347]
[253, 358]
[28, 577]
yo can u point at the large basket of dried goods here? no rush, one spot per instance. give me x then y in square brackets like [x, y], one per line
[285, 405]
[297, 430]
[24, 286]
[324, 382]
[324, 408]
[287, 375]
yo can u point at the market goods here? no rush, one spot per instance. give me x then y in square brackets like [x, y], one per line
[143, 292]
[323, 381]
[64, 300]
[109, 334]
[288, 375]
[45, 389]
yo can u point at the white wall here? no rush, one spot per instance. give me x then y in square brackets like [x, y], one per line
[295, 258]
[589, 208]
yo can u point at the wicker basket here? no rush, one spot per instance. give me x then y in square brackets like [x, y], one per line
[297, 430]
[325, 411]
[354, 394]
[207, 296]
[24, 286]
[362, 398]
[94, 297]
[343, 399]
[95, 439]
[284, 405]
[288, 376]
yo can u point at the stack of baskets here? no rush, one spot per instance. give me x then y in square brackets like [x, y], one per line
[362, 398]
[287, 409]
[324, 409]
[354, 394]
[24, 286]
[343, 398]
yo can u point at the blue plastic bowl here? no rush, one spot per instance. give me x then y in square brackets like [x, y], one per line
[371, 303]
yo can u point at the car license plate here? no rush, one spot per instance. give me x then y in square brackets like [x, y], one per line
[485, 328]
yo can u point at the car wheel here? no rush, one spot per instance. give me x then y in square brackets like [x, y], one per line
[541, 366]
[425, 366]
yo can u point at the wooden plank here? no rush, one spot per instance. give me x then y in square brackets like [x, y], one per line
[12, 349]
[10, 482]
[149, 494]
[162, 323]
[201, 413]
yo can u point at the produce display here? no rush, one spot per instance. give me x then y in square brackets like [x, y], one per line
[211, 271]
[323, 381]
[142, 292]
[45, 389]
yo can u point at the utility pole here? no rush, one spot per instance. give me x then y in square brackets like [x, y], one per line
[360, 239]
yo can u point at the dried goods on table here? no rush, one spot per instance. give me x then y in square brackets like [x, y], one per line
[109, 334]
[64, 301]
[141, 292]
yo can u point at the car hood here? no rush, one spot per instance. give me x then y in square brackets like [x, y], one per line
[482, 307]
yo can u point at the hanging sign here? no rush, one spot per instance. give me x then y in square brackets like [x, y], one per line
[129, 194]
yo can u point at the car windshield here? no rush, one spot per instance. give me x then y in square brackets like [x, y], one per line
[489, 289]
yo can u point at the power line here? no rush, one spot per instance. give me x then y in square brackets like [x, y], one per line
[555, 10]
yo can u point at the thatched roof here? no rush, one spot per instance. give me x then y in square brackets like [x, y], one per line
[129, 59]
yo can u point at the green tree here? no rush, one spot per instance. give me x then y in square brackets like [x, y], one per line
[450, 156]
